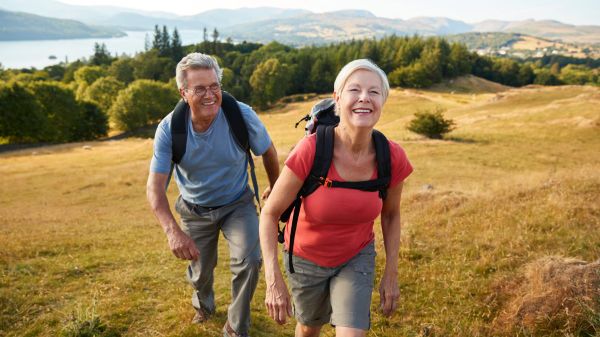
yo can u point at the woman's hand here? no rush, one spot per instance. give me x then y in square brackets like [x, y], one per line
[277, 299]
[389, 293]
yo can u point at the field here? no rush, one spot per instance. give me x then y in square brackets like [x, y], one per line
[518, 180]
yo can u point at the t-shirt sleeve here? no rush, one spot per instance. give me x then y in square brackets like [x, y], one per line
[161, 158]
[401, 166]
[260, 141]
[301, 158]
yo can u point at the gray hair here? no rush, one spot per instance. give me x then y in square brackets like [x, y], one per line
[364, 64]
[195, 61]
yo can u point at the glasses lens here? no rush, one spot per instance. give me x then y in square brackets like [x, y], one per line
[200, 91]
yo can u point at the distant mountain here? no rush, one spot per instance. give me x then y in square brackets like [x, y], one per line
[87, 14]
[299, 27]
[311, 28]
[549, 29]
[23, 26]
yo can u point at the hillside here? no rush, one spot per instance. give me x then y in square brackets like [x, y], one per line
[23, 26]
[518, 180]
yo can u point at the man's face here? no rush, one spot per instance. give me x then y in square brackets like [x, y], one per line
[203, 92]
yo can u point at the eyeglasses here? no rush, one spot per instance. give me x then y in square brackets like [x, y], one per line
[201, 91]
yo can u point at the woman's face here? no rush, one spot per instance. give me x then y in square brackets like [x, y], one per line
[361, 99]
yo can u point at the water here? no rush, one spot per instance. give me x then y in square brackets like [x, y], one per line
[25, 54]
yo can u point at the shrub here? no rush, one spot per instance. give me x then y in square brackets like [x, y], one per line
[142, 102]
[431, 124]
[21, 117]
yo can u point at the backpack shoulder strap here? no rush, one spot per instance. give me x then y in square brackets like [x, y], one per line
[384, 165]
[236, 121]
[322, 161]
[179, 130]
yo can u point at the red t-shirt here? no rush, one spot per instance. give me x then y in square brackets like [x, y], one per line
[334, 224]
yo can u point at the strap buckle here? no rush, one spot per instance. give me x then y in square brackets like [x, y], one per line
[325, 181]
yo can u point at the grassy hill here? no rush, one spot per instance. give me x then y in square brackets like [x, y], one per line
[518, 180]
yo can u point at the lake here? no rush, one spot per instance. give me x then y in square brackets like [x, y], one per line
[25, 54]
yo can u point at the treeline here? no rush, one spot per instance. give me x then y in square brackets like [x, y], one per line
[126, 93]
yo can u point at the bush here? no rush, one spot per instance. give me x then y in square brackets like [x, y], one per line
[431, 124]
[22, 118]
[142, 102]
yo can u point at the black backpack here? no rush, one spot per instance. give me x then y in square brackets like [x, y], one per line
[322, 120]
[233, 114]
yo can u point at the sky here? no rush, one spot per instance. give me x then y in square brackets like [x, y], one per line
[578, 12]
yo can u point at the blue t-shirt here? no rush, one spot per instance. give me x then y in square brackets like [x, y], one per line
[213, 170]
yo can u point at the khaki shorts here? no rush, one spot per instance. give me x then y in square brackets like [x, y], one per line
[339, 295]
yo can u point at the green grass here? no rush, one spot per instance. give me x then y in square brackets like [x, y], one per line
[519, 179]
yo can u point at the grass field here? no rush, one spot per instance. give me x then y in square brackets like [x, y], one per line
[519, 179]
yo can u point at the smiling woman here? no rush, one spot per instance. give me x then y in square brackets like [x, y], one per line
[331, 266]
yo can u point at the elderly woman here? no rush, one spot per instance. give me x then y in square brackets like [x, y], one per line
[334, 254]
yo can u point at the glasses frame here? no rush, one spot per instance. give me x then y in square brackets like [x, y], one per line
[201, 91]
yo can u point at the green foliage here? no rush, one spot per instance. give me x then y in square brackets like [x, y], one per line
[103, 92]
[68, 119]
[269, 82]
[142, 102]
[122, 69]
[152, 66]
[89, 74]
[21, 117]
[431, 124]
[577, 74]
[101, 55]
[545, 76]
[61, 109]
[93, 122]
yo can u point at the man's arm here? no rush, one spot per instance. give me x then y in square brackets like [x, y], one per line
[180, 243]
[271, 163]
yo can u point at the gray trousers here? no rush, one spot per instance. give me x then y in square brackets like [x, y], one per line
[239, 223]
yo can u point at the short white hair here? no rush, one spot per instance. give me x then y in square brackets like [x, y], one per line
[364, 64]
[195, 61]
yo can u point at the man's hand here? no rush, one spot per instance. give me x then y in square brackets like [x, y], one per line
[182, 245]
[266, 193]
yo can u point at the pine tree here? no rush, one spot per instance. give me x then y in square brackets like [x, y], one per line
[176, 48]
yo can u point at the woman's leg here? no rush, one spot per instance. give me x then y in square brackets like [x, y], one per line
[342, 331]
[307, 331]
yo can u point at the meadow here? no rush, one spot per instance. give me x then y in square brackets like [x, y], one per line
[516, 181]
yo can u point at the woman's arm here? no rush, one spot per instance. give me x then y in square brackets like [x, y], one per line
[389, 291]
[277, 297]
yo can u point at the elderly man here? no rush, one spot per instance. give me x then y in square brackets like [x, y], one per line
[214, 194]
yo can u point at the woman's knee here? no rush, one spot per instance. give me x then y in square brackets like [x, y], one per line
[307, 331]
[341, 331]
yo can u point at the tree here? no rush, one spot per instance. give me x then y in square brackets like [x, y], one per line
[60, 108]
[21, 117]
[152, 66]
[122, 69]
[93, 122]
[142, 102]
[269, 82]
[85, 76]
[215, 36]
[176, 48]
[101, 55]
[103, 92]
[577, 74]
